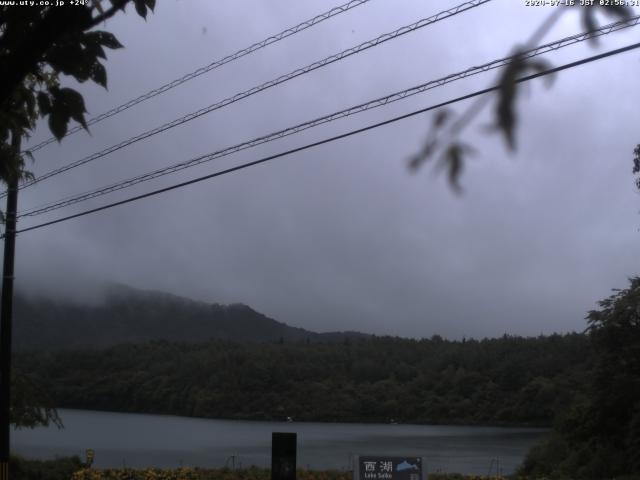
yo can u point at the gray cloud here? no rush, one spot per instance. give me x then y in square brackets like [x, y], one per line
[342, 236]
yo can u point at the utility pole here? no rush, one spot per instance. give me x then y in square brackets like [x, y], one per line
[6, 310]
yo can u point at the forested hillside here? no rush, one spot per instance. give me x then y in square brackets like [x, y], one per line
[510, 380]
[128, 315]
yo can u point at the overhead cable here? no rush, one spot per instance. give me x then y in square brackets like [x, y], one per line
[378, 102]
[272, 83]
[329, 140]
[207, 68]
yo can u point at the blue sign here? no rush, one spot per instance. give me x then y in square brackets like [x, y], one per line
[390, 468]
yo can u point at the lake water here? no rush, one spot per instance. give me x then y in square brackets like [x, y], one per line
[166, 441]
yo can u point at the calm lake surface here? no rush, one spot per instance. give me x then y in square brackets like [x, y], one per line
[166, 441]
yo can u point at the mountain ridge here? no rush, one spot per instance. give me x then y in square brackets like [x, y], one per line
[131, 315]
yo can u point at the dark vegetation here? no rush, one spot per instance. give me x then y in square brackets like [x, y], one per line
[509, 380]
[599, 437]
[253, 473]
[61, 42]
[72, 468]
[129, 315]
[58, 469]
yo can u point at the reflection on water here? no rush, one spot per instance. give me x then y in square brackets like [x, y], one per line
[164, 441]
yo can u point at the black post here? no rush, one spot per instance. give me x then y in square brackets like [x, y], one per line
[6, 309]
[283, 456]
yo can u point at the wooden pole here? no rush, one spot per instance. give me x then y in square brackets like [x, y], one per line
[6, 310]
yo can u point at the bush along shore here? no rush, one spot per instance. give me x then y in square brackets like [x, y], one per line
[252, 473]
[72, 468]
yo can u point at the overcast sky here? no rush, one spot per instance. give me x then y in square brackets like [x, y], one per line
[343, 237]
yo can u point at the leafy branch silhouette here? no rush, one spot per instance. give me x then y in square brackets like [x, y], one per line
[443, 141]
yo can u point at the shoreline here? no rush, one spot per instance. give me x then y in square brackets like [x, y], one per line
[535, 426]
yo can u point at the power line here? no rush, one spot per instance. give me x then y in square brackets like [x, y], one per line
[272, 83]
[332, 139]
[213, 65]
[552, 46]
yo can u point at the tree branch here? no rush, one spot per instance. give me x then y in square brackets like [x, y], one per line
[117, 5]
[54, 26]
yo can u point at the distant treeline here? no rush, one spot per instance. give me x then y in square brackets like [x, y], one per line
[504, 381]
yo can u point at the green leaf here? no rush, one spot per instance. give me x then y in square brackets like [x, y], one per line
[589, 16]
[30, 103]
[540, 65]
[431, 143]
[151, 4]
[453, 159]
[75, 105]
[141, 8]
[44, 103]
[27, 175]
[99, 74]
[93, 44]
[589, 22]
[636, 165]
[441, 118]
[425, 154]
[107, 39]
[58, 124]
[72, 59]
[66, 104]
[506, 119]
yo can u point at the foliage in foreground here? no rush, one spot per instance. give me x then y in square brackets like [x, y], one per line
[58, 469]
[72, 468]
[62, 43]
[599, 437]
[252, 473]
[31, 406]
